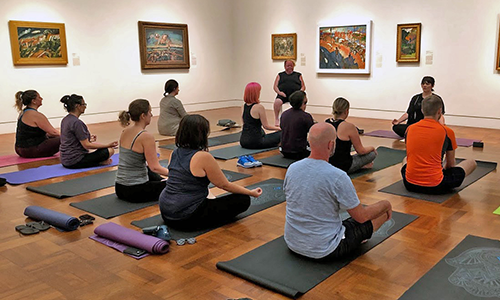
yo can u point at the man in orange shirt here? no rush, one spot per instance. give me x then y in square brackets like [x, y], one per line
[427, 141]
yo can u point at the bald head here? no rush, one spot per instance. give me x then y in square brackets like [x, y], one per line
[321, 138]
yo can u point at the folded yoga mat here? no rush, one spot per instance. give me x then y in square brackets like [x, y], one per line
[469, 271]
[483, 168]
[275, 267]
[236, 151]
[214, 141]
[45, 172]
[54, 218]
[272, 194]
[14, 159]
[78, 186]
[110, 234]
[110, 206]
[391, 135]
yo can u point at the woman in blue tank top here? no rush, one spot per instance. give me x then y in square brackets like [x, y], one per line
[185, 201]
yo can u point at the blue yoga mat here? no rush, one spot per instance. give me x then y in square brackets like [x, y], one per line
[52, 217]
[46, 172]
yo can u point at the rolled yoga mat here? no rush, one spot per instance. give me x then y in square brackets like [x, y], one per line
[110, 233]
[45, 172]
[469, 271]
[14, 159]
[214, 141]
[54, 218]
[236, 151]
[272, 194]
[483, 168]
[391, 135]
[277, 268]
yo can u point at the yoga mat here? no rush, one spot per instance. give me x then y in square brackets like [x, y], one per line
[386, 157]
[232, 176]
[78, 186]
[129, 237]
[14, 159]
[51, 217]
[45, 172]
[469, 271]
[275, 267]
[497, 211]
[277, 161]
[214, 141]
[272, 194]
[391, 135]
[236, 151]
[110, 206]
[483, 168]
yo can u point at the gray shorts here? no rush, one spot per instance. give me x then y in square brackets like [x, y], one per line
[358, 161]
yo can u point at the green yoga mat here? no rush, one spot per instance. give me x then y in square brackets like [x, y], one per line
[272, 194]
[236, 151]
[275, 267]
[469, 271]
[483, 168]
[214, 141]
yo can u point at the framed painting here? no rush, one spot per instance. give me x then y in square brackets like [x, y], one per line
[284, 46]
[163, 45]
[38, 43]
[408, 43]
[344, 49]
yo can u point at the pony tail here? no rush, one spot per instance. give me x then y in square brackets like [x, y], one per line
[124, 118]
[65, 100]
[19, 101]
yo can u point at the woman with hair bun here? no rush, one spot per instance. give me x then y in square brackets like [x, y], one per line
[35, 136]
[137, 181]
[171, 109]
[76, 140]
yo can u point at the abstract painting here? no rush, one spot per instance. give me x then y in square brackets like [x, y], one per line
[408, 42]
[284, 46]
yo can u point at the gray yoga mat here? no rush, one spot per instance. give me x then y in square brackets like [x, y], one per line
[483, 168]
[386, 157]
[272, 194]
[275, 267]
[232, 176]
[236, 151]
[469, 271]
[277, 161]
[110, 206]
[214, 141]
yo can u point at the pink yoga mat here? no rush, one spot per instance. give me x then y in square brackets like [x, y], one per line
[391, 135]
[10, 160]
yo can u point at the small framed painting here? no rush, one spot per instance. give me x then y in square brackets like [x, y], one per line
[408, 42]
[38, 43]
[163, 45]
[284, 46]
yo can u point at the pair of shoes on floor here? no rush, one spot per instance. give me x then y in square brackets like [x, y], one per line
[247, 161]
[32, 228]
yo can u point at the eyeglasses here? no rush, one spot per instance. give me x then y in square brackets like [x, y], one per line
[83, 104]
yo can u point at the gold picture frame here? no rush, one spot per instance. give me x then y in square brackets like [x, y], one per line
[163, 45]
[284, 46]
[38, 43]
[408, 42]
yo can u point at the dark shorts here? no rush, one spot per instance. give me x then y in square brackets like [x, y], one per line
[453, 177]
[91, 159]
[355, 233]
[284, 99]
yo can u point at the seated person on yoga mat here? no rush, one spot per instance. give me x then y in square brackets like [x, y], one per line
[185, 201]
[136, 181]
[285, 84]
[414, 112]
[426, 143]
[347, 136]
[171, 109]
[76, 140]
[315, 191]
[35, 136]
[254, 118]
[295, 124]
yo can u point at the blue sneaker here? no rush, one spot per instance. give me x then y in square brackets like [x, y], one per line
[255, 162]
[244, 162]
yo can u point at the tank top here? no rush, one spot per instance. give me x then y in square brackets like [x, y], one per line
[289, 83]
[184, 192]
[342, 158]
[252, 128]
[28, 136]
[132, 168]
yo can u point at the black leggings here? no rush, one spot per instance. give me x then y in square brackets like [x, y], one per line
[145, 192]
[267, 141]
[212, 212]
[400, 129]
[91, 159]
[296, 156]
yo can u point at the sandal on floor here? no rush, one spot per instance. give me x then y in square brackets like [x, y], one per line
[26, 230]
[40, 226]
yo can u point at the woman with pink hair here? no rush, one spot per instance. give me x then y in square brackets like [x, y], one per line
[254, 118]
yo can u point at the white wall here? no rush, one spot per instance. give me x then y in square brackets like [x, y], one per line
[104, 34]
[462, 35]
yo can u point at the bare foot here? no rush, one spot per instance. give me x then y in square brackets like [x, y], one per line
[368, 166]
[107, 162]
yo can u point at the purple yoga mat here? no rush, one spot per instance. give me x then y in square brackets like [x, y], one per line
[115, 245]
[54, 218]
[14, 159]
[45, 172]
[391, 135]
[130, 237]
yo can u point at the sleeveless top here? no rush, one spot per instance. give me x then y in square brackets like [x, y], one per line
[28, 136]
[184, 192]
[342, 158]
[252, 128]
[289, 83]
[132, 168]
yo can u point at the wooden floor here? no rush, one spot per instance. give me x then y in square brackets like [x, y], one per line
[57, 265]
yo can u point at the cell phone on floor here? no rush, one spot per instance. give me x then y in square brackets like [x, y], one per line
[134, 251]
